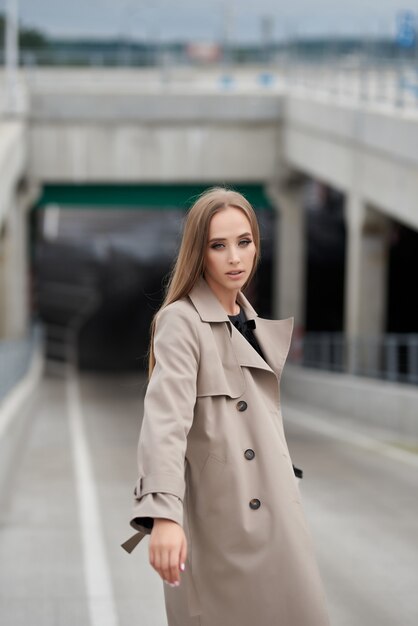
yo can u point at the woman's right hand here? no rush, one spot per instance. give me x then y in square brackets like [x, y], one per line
[168, 549]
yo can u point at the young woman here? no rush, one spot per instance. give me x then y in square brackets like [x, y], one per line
[217, 490]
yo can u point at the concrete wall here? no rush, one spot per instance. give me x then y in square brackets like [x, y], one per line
[152, 152]
[13, 231]
[391, 407]
[13, 162]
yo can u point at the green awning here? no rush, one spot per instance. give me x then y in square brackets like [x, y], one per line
[159, 197]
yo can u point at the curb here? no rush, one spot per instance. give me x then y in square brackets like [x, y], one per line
[20, 394]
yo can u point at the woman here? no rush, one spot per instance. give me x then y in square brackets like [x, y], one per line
[216, 489]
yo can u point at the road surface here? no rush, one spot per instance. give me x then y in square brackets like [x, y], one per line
[65, 502]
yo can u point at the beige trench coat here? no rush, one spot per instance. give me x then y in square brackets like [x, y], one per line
[213, 456]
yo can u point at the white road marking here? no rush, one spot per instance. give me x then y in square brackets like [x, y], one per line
[343, 433]
[100, 597]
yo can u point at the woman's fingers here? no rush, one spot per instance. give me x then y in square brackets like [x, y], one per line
[183, 554]
[165, 561]
[154, 559]
[174, 576]
[167, 550]
[165, 564]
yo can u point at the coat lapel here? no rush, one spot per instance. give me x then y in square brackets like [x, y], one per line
[246, 355]
[273, 336]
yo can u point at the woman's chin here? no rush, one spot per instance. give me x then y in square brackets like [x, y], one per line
[235, 283]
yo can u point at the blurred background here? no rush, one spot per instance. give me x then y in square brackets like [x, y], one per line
[114, 116]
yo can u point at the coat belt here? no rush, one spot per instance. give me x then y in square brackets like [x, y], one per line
[133, 541]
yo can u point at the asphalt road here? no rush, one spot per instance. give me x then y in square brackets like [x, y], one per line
[65, 505]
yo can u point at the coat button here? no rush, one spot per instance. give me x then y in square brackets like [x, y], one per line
[255, 503]
[249, 454]
[242, 405]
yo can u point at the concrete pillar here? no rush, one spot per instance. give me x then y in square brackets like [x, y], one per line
[289, 270]
[14, 306]
[367, 253]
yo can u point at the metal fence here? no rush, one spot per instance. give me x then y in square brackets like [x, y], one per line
[16, 356]
[382, 81]
[392, 357]
[356, 77]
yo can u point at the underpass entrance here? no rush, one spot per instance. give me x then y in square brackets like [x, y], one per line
[101, 255]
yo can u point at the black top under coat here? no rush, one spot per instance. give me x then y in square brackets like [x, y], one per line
[245, 327]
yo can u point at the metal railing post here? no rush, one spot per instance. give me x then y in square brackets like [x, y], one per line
[412, 358]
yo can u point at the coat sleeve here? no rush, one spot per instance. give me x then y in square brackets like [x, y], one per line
[168, 416]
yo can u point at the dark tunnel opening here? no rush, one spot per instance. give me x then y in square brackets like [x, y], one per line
[325, 238]
[124, 258]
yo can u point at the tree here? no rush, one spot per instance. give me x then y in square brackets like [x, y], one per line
[29, 38]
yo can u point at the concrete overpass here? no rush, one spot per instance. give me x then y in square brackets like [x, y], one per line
[127, 126]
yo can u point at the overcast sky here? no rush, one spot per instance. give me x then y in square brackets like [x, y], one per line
[206, 19]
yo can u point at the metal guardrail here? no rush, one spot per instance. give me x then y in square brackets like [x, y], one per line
[392, 357]
[70, 305]
[392, 81]
[376, 80]
[16, 356]
[58, 343]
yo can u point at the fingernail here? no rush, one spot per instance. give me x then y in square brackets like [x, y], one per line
[182, 566]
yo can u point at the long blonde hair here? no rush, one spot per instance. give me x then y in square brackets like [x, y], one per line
[189, 264]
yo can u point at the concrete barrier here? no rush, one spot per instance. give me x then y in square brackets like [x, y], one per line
[15, 414]
[384, 405]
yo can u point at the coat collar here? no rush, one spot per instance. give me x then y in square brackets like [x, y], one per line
[273, 336]
[209, 307]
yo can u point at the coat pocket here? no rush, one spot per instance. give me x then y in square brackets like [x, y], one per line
[209, 488]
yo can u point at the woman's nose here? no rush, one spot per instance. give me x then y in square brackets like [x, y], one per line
[234, 257]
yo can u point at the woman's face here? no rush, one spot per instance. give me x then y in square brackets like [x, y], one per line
[230, 250]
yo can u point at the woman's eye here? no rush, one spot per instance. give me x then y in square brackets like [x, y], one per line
[242, 243]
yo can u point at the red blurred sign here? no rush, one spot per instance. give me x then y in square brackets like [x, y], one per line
[207, 52]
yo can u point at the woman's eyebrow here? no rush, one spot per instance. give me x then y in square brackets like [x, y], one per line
[224, 238]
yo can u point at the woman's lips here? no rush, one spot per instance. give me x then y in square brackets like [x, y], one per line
[235, 275]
